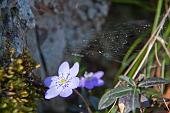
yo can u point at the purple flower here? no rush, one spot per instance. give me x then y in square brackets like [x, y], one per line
[91, 80]
[63, 83]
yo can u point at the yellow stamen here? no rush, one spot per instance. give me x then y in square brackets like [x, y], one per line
[63, 81]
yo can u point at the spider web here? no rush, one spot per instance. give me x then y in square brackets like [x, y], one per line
[110, 45]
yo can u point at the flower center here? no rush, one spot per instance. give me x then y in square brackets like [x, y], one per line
[63, 81]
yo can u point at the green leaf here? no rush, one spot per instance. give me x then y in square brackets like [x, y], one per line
[150, 92]
[152, 82]
[110, 97]
[128, 80]
[114, 109]
[135, 100]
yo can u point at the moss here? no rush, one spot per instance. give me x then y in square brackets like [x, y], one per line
[18, 84]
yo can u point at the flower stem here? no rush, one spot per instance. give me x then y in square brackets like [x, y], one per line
[84, 100]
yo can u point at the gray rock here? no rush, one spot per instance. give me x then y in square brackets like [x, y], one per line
[17, 18]
[25, 13]
[52, 50]
[92, 13]
[34, 50]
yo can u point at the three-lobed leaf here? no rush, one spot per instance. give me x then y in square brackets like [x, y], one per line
[152, 82]
[110, 96]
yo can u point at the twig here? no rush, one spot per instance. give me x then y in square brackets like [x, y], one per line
[152, 40]
[166, 7]
[84, 100]
[143, 60]
[166, 105]
[164, 46]
[156, 55]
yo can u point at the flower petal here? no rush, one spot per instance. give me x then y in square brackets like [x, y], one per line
[88, 84]
[73, 83]
[51, 81]
[48, 82]
[74, 70]
[54, 78]
[66, 92]
[53, 92]
[63, 70]
[98, 74]
[94, 80]
[82, 82]
[100, 83]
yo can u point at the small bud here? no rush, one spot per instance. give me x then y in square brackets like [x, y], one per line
[10, 72]
[11, 93]
[8, 76]
[24, 94]
[24, 100]
[20, 68]
[11, 87]
[10, 68]
[24, 72]
[38, 66]
[14, 101]
[19, 61]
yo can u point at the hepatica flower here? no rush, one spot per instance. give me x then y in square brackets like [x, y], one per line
[91, 80]
[62, 84]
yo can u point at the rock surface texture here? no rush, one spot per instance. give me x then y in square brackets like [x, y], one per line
[17, 18]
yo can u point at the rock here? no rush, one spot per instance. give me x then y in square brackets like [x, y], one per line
[52, 49]
[34, 50]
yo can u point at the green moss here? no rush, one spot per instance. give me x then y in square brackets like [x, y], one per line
[18, 84]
